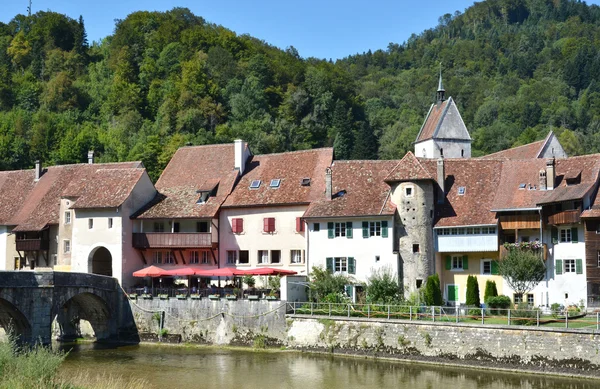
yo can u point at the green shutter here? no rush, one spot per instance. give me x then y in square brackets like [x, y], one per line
[558, 266]
[330, 265]
[349, 230]
[452, 292]
[365, 226]
[330, 231]
[465, 262]
[448, 262]
[574, 237]
[351, 266]
[494, 267]
[554, 235]
[384, 229]
[349, 289]
[579, 266]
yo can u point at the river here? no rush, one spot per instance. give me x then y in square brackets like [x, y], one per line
[214, 368]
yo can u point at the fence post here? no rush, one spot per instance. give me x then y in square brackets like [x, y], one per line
[388, 312]
[294, 307]
[433, 314]
[311, 309]
[368, 311]
[482, 319]
[456, 313]
[567, 319]
[597, 321]
[410, 313]
[348, 310]
[329, 309]
[509, 317]
[538, 318]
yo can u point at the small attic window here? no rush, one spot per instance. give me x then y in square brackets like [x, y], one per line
[522, 186]
[255, 184]
[461, 190]
[275, 183]
[305, 182]
[203, 197]
[341, 193]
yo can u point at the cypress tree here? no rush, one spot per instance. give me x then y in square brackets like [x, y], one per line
[490, 290]
[473, 292]
[433, 293]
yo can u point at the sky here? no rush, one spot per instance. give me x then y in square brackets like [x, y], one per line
[316, 28]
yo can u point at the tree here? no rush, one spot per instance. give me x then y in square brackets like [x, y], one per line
[325, 286]
[382, 287]
[473, 292]
[522, 270]
[490, 290]
[433, 293]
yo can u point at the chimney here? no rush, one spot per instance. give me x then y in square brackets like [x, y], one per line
[91, 157]
[543, 181]
[240, 153]
[328, 188]
[550, 174]
[441, 178]
[38, 170]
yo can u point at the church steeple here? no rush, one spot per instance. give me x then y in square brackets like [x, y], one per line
[441, 92]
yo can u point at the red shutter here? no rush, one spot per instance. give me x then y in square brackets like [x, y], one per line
[269, 224]
[237, 225]
[299, 224]
[266, 224]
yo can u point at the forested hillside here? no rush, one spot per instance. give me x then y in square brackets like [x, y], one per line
[517, 68]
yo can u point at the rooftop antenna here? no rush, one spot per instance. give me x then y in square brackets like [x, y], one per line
[29, 8]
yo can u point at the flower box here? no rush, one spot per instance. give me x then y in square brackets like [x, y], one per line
[271, 298]
[181, 297]
[231, 297]
[147, 296]
[133, 296]
[253, 297]
[163, 296]
[196, 297]
[214, 297]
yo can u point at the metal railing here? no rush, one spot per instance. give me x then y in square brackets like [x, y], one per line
[459, 314]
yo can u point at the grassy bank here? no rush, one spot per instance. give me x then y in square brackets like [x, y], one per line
[37, 368]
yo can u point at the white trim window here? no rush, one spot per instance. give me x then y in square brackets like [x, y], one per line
[204, 259]
[565, 235]
[570, 266]
[67, 217]
[263, 256]
[375, 228]
[409, 190]
[457, 262]
[339, 229]
[340, 264]
[158, 257]
[295, 257]
[231, 257]
[194, 257]
[169, 258]
[486, 267]
[66, 246]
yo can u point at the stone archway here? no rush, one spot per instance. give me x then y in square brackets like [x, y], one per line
[13, 321]
[88, 307]
[100, 261]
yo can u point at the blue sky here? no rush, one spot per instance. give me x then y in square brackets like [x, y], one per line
[317, 28]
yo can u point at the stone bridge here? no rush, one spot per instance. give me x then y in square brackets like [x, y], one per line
[30, 301]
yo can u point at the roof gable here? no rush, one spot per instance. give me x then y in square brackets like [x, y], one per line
[408, 169]
[443, 121]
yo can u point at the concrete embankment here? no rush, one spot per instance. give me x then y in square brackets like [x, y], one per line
[263, 323]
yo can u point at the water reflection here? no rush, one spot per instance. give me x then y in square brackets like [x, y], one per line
[216, 368]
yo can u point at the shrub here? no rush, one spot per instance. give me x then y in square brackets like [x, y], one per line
[249, 280]
[433, 293]
[523, 315]
[555, 308]
[490, 290]
[323, 283]
[383, 288]
[499, 303]
[473, 292]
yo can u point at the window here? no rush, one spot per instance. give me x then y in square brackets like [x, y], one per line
[316, 227]
[374, 228]
[176, 227]
[340, 229]
[419, 283]
[296, 257]
[255, 184]
[194, 258]
[275, 183]
[565, 235]
[461, 190]
[377, 258]
[205, 257]
[305, 182]
[158, 256]
[110, 222]
[408, 191]
[487, 267]
[68, 217]
[530, 299]
[159, 227]
[598, 229]
[569, 266]
[231, 257]
[168, 257]
[517, 298]
[299, 224]
[263, 256]
[54, 259]
[441, 152]
[244, 257]
[90, 224]
[341, 264]
[269, 224]
[237, 225]
[416, 248]
[66, 246]
[457, 263]
[203, 226]
[275, 256]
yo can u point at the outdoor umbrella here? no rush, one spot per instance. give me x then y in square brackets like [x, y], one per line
[150, 271]
[269, 271]
[222, 272]
[182, 271]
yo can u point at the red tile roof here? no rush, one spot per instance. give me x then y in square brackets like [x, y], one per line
[432, 121]
[193, 169]
[38, 206]
[290, 168]
[366, 192]
[408, 169]
[528, 151]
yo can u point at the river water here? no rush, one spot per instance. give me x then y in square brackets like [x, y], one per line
[213, 368]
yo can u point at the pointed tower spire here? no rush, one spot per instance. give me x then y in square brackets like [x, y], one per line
[441, 92]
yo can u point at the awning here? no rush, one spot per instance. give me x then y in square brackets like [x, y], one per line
[269, 271]
[150, 271]
[222, 272]
[182, 271]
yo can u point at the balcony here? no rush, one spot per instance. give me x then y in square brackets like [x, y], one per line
[183, 240]
[565, 217]
[543, 251]
[520, 222]
[32, 244]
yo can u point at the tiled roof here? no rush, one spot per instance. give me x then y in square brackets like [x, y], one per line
[588, 166]
[479, 179]
[435, 115]
[291, 168]
[14, 187]
[193, 169]
[408, 169]
[39, 206]
[366, 193]
[519, 184]
[528, 151]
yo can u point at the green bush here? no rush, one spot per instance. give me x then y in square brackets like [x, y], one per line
[490, 290]
[433, 293]
[555, 308]
[499, 303]
[323, 283]
[473, 292]
[523, 315]
[383, 288]
[249, 280]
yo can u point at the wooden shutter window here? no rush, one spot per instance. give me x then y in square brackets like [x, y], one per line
[494, 267]
[465, 262]
[365, 228]
[448, 262]
[574, 237]
[384, 229]
[269, 224]
[351, 265]
[558, 266]
[329, 265]
[554, 235]
[579, 266]
[237, 225]
[330, 231]
[299, 224]
[349, 230]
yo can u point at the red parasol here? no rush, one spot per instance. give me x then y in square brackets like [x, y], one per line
[182, 271]
[150, 271]
[222, 272]
[269, 271]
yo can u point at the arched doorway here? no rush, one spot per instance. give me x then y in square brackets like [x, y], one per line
[101, 261]
[12, 320]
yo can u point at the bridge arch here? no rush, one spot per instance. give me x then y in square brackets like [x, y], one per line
[100, 261]
[12, 319]
[84, 306]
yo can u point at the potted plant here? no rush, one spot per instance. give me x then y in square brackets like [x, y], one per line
[195, 297]
[163, 296]
[253, 297]
[133, 296]
[231, 297]
[147, 296]
[181, 297]
[214, 297]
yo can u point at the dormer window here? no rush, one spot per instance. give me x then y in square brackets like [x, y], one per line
[522, 186]
[255, 184]
[203, 197]
[461, 190]
[305, 182]
[341, 193]
[275, 183]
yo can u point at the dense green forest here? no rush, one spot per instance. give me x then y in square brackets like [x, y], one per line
[517, 68]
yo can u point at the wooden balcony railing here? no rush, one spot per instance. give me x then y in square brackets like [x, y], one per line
[520, 222]
[543, 251]
[32, 244]
[151, 240]
[565, 217]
